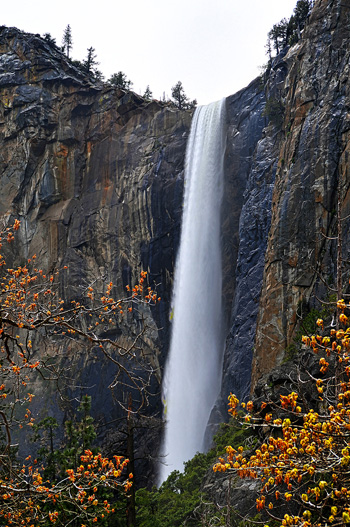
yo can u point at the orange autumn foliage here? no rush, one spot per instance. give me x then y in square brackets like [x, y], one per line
[31, 310]
[303, 464]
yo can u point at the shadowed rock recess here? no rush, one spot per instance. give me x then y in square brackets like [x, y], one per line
[95, 175]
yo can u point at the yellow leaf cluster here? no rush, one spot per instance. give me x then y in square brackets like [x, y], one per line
[305, 461]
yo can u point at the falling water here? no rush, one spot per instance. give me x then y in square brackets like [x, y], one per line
[193, 371]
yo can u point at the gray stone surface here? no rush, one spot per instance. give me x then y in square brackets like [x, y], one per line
[313, 165]
[95, 175]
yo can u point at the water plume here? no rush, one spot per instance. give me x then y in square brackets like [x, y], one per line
[193, 370]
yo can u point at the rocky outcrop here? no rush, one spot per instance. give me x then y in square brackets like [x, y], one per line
[95, 175]
[94, 172]
[246, 214]
[292, 180]
[312, 168]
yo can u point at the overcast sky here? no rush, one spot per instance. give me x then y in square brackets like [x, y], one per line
[215, 47]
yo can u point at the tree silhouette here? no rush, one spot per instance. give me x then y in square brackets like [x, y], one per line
[90, 62]
[50, 39]
[179, 96]
[67, 41]
[120, 80]
[148, 93]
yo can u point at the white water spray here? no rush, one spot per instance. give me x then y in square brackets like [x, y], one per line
[193, 370]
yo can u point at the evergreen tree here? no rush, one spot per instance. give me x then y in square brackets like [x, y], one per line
[90, 62]
[78, 64]
[50, 39]
[288, 32]
[44, 434]
[98, 75]
[180, 98]
[80, 434]
[301, 12]
[278, 35]
[297, 21]
[293, 34]
[67, 41]
[148, 93]
[268, 48]
[120, 80]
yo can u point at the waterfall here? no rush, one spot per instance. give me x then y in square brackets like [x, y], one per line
[193, 370]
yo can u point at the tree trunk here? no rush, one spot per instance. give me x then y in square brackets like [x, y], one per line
[131, 506]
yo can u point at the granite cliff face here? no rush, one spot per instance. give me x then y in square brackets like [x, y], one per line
[95, 175]
[313, 167]
[246, 213]
[293, 178]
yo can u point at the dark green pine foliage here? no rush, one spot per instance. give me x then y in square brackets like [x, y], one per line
[288, 32]
[180, 500]
[148, 93]
[56, 457]
[120, 80]
[79, 436]
[67, 40]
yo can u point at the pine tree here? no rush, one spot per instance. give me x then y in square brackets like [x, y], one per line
[301, 12]
[90, 60]
[50, 39]
[67, 41]
[148, 93]
[120, 80]
[278, 35]
[180, 98]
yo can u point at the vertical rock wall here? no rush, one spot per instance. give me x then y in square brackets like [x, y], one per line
[95, 175]
[245, 226]
[313, 165]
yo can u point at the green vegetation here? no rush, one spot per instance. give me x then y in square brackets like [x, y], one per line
[90, 63]
[67, 40]
[58, 456]
[181, 500]
[70, 482]
[307, 323]
[79, 436]
[302, 463]
[148, 93]
[180, 98]
[288, 32]
[274, 111]
[120, 80]
[50, 39]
